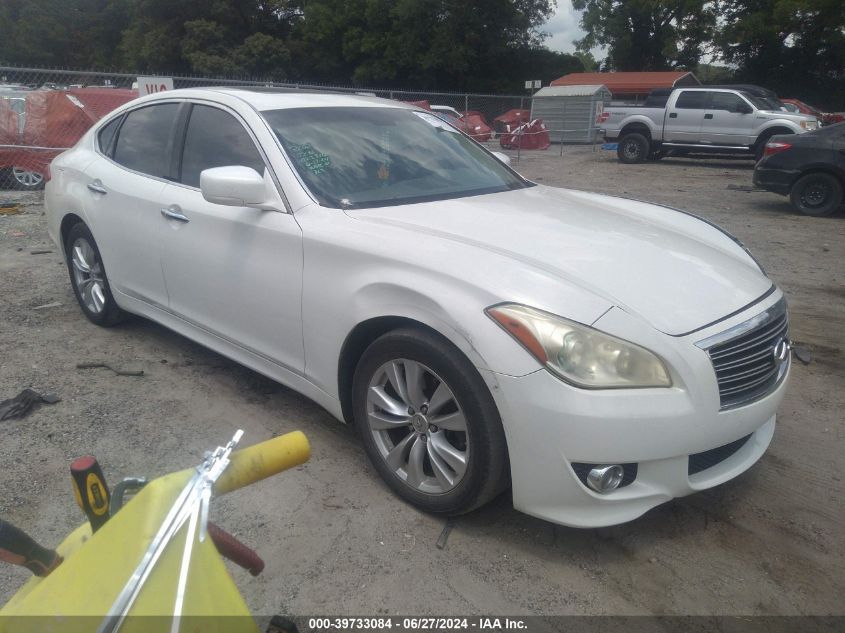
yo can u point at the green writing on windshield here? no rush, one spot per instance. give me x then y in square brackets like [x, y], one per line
[312, 160]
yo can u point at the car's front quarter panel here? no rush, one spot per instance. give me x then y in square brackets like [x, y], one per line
[357, 270]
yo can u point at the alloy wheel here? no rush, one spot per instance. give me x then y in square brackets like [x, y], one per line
[88, 275]
[631, 150]
[26, 178]
[418, 426]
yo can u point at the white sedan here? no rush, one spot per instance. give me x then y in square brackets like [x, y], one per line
[598, 355]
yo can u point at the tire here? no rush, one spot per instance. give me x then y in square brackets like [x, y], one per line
[633, 148]
[816, 194]
[26, 180]
[88, 278]
[440, 470]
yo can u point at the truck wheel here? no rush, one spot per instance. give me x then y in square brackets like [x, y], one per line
[816, 194]
[633, 148]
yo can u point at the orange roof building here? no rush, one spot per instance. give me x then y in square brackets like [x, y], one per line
[628, 85]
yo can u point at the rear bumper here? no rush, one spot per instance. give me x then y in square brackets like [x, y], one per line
[775, 180]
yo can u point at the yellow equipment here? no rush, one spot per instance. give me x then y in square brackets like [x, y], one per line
[80, 592]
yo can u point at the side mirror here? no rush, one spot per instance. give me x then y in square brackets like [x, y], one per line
[743, 108]
[503, 158]
[234, 186]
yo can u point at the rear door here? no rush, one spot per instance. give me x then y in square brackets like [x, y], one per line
[723, 123]
[123, 198]
[234, 271]
[684, 117]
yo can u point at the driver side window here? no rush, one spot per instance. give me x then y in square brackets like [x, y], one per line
[215, 138]
[725, 101]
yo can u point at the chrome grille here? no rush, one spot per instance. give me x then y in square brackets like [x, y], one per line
[744, 356]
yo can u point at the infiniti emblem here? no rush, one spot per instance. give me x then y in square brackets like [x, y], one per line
[781, 351]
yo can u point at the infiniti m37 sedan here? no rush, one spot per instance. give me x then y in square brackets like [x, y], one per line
[598, 355]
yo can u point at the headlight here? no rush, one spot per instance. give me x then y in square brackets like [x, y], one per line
[579, 354]
[810, 125]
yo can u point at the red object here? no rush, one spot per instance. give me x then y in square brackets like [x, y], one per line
[425, 105]
[775, 147]
[475, 126]
[55, 121]
[532, 135]
[825, 117]
[602, 117]
[628, 83]
[230, 547]
[511, 120]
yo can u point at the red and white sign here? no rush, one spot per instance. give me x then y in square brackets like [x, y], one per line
[151, 85]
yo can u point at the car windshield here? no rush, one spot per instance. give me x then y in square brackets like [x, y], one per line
[359, 157]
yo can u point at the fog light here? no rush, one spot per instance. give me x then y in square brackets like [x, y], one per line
[603, 479]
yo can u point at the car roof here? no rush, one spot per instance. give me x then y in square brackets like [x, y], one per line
[269, 98]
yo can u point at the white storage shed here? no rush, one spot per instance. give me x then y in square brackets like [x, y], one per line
[569, 112]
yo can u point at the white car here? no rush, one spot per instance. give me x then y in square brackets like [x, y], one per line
[599, 355]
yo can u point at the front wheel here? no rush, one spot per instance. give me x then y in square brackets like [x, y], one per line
[816, 194]
[633, 148]
[428, 423]
[88, 277]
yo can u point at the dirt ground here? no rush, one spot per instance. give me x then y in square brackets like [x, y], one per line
[336, 541]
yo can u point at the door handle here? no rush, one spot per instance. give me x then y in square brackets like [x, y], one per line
[673, 115]
[708, 116]
[174, 214]
[97, 187]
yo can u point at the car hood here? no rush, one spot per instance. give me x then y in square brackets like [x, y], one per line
[795, 117]
[673, 270]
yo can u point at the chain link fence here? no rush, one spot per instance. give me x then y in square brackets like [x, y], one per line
[44, 111]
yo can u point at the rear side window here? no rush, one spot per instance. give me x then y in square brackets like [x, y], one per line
[106, 135]
[690, 100]
[216, 139]
[725, 101]
[144, 140]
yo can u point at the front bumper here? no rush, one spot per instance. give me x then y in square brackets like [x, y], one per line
[550, 425]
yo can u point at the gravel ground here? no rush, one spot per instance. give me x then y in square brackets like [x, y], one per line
[335, 539]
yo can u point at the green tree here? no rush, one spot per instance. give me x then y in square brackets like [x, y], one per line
[646, 35]
[69, 33]
[796, 47]
[213, 37]
[430, 44]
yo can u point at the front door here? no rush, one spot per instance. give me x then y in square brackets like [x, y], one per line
[724, 123]
[234, 271]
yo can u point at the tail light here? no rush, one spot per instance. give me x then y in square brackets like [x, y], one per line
[775, 147]
[604, 116]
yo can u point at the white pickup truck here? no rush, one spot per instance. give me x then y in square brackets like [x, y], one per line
[701, 119]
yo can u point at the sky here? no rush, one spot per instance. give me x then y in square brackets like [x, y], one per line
[564, 28]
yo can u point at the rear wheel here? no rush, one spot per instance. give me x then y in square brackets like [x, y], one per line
[428, 423]
[816, 194]
[88, 277]
[633, 148]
